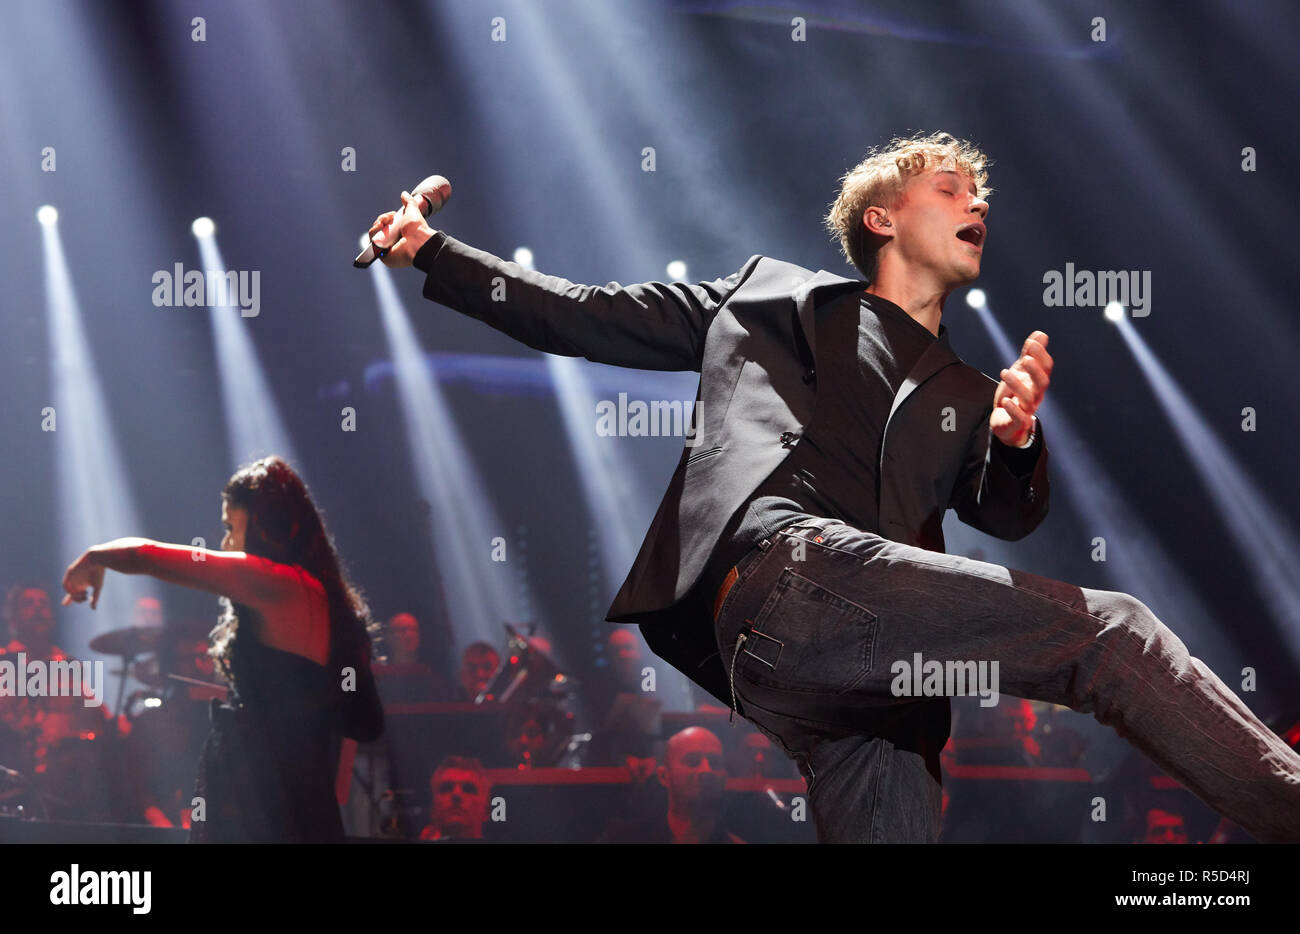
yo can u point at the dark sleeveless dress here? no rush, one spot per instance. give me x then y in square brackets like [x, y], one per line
[266, 773]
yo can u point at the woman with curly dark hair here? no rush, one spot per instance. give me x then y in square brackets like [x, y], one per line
[294, 644]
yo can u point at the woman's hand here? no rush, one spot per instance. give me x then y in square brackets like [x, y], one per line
[82, 575]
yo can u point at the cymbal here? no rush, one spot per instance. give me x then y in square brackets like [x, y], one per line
[133, 640]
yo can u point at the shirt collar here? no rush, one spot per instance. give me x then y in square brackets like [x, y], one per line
[876, 303]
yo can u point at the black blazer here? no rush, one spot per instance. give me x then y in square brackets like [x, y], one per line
[752, 337]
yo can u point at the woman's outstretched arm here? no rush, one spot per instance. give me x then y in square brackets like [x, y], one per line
[248, 579]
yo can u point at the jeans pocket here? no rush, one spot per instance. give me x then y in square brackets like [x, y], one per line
[807, 638]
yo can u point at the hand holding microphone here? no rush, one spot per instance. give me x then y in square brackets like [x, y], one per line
[396, 236]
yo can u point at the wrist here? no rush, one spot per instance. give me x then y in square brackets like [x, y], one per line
[423, 258]
[1030, 437]
[113, 552]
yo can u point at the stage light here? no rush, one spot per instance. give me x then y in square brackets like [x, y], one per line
[604, 466]
[524, 257]
[976, 298]
[203, 227]
[254, 425]
[94, 500]
[480, 592]
[1114, 311]
[676, 270]
[47, 215]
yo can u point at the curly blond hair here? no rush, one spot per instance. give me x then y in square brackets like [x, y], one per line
[879, 180]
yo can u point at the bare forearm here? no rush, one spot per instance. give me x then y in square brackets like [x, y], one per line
[124, 555]
[233, 574]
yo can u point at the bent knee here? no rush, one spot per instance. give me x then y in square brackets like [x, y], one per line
[1126, 612]
[1130, 615]
[1122, 608]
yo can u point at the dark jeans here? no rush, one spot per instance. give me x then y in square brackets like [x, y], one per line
[822, 612]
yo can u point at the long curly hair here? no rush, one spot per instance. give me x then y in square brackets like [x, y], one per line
[285, 526]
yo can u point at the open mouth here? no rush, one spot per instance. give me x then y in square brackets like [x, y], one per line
[973, 234]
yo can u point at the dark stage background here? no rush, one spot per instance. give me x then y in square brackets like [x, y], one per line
[1122, 154]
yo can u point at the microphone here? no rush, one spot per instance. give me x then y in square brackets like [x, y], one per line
[430, 195]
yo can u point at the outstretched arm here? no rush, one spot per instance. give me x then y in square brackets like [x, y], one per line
[648, 326]
[248, 579]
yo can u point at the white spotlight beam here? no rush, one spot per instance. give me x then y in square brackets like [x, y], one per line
[606, 479]
[95, 502]
[605, 476]
[1258, 531]
[481, 593]
[254, 426]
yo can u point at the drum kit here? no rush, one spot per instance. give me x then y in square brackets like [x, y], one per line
[55, 752]
[167, 660]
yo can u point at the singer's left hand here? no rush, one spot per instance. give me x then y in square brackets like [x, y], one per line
[1021, 391]
[409, 229]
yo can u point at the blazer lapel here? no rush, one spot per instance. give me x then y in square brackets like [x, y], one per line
[935, 357]
[807, 296]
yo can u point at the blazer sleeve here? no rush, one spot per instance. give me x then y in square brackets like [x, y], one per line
[1001, 490]
[649, 326]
